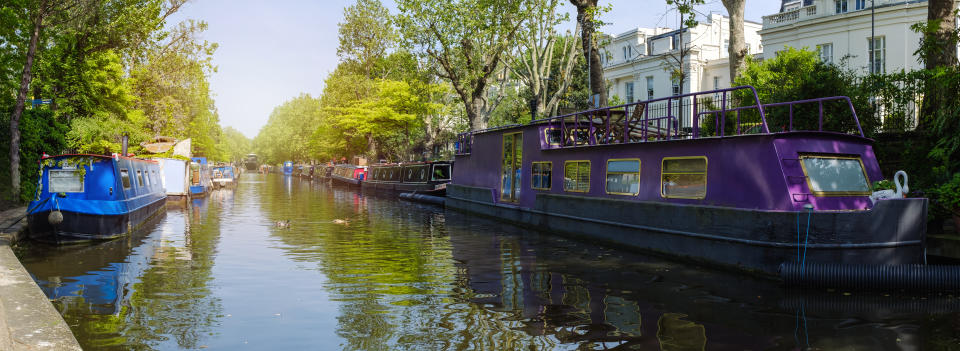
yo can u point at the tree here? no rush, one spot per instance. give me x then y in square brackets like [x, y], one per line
[366, 34]
[466, 41]
[674, 60]
[942, 16]
[737, 52]
[40, 14]
[537, 51]
[587, 10]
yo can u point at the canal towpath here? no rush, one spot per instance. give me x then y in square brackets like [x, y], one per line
[28, 321]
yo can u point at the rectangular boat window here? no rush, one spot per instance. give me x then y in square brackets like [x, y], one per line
[139, 178]
[147, 177]
[65, 181]
[441, 172]
[125, 178]
[835, 175]
[623, 176]
[541, 175]
[576, 176]
[683, 177]
[552, 136]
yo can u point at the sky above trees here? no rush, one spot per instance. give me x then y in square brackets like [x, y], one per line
[270, 51]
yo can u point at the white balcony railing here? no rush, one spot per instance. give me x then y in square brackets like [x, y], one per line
[788, 17]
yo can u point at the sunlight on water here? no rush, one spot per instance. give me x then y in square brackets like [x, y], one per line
[363, 272]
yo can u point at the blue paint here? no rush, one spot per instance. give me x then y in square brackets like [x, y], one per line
[288, 168]
[103, 192]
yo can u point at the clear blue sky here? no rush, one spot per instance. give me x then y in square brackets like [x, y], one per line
[272, 51]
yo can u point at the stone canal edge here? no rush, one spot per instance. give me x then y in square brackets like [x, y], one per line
[28, 321]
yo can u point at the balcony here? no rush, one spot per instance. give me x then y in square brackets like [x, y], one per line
[789, 17]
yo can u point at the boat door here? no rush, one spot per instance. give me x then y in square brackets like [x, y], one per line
[510, 167]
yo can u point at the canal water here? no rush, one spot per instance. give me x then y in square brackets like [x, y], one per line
[363, 272]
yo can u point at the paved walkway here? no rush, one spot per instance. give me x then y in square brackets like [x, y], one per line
[27, 319]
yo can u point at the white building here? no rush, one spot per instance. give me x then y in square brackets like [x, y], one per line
[841, 29]
[635, 62]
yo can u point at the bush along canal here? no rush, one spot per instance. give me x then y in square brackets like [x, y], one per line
[285, 263]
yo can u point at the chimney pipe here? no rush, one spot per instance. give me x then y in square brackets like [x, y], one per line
[123, 142]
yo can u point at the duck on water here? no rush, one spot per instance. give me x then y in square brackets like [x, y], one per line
[684, 177]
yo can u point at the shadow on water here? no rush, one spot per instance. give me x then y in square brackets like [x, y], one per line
[366, 272]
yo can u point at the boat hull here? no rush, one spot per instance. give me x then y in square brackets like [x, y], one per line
[80, 227]
[346, 181]
[754, 240]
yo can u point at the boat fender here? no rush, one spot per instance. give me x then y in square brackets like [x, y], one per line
[55, 218]
[899, 193]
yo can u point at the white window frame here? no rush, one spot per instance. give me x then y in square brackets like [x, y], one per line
[841, 6]
[826, 52]
[650, 88]
[877, 57]
[628, 91]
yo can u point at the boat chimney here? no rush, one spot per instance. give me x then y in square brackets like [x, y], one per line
[123, 144]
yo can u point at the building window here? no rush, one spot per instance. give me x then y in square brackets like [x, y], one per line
[540, 173]
[624, 53]
[878, 54]
[576, 176]
[835, 175]
[841, 6]
[826, 52]
[716, 82]
[629, 52]
[675, 41]
[649, 88]
[628, 91]
[676, 88]
[860, 4]
[726, 46]
[623, 176]
[683, 177]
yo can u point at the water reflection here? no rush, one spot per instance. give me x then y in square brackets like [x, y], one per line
[363, 272]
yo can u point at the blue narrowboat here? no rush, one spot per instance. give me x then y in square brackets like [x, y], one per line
[288, 168]
[224, 176]
[94, 197]
[200, 181]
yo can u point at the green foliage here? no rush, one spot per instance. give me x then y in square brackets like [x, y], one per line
[288, 132]
[234, 144]
[798, 75]
[366, 34]
[948, 194]
[40, 133]
[885, 184]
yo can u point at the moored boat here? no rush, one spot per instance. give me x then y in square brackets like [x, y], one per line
[288, 168]
[421, 177]
[223, 176]
[175, 177]
[94, 197]
[659, 179]
[200, 181]
[348, 174]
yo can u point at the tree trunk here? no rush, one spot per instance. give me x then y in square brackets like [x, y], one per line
[474, 113]
[590, 50]
[942, 10]
[21, 101]
[737, 52]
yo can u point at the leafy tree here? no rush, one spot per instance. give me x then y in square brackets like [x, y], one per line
[674, 60]
[366, 34]
[466, 41]
[539, 47]
[234, 144]
[288, 132]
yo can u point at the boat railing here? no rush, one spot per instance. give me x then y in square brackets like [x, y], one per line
[715, 113]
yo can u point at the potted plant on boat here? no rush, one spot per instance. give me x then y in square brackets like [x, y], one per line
[948, 195]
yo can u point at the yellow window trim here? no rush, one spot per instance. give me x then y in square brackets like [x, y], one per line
[835, 193]
[503, 142]
[607, 169]
[546, 136]
[705, 168]
[549, 165]
[589, 166]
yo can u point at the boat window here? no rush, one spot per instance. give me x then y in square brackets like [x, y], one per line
[139, 178]
[683, 177]
[541, 174]
[576, 176]
[835, 175]
[65, 181]
[510, 167]
[147, 178]
[125, 178]
[395, 174]
[441, 172]
[623, 176]
[552, 136]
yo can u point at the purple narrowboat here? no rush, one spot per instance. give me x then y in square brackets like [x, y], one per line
[684, 177]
